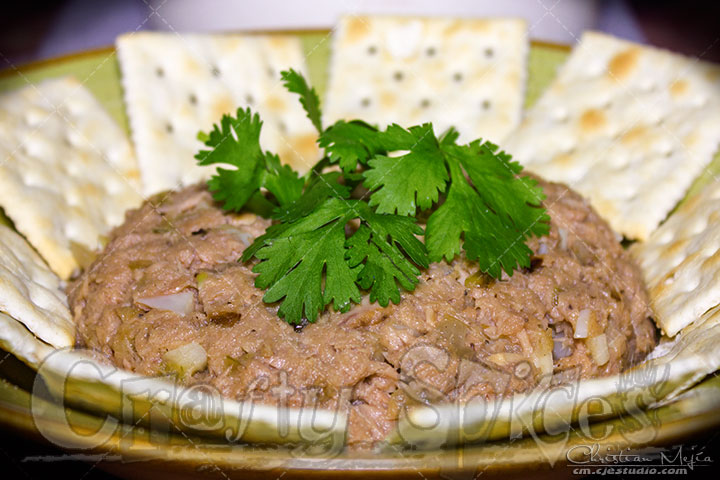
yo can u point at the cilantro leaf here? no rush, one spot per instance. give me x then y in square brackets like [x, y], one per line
[348, 143]
[281, 180]
[321, 187]
[494, 227]
[295, 256]
[236, 142]
[508, 195]
[381, 264]
[295, 83]
[292, 264]
[412, 180]
[449, 137]
[309, 255]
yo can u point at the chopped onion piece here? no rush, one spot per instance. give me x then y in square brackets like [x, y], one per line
[544, 363]
[542, 249]
[581, 324]
[544, 342]
[245, 237]
[506, 358]
[563, 238]
[599, 349]
[186, 360]
[181, 303]
[525, 342]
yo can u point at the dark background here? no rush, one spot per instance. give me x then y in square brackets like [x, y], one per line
[36, 29]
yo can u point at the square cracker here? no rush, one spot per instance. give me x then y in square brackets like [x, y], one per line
[177, 85]
[467, 73]
[628, 126]
[681, 261]
[67, 172]
[16, 339]
[31, 293]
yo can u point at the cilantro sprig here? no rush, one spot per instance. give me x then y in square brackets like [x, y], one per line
[236, 143]
[330, 243]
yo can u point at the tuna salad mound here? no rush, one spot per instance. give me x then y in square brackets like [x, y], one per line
[168, 295]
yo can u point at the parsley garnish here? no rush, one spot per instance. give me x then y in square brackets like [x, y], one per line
[328, 246]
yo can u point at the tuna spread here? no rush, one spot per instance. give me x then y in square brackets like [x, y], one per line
[168, 294]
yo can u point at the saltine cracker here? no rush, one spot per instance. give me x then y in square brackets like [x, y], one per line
[31, 293]
[628, 126]
[466, 73]
[67, 171]
[176, 85]
[681, 261]
[15, 338]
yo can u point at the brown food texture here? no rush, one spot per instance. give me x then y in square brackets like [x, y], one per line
[458, 336]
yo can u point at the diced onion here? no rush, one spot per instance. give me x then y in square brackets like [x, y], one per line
[186, 360]
[581, 324]
[599, 349]
[544, 363]
[506, 358]
[563, 238]
[240, 234]
[544, 344]
[246, 218]
[542, 249]
[181, 303]
[525, 342]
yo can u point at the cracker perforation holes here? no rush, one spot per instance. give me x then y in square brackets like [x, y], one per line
[425, 103]
[282, 126]
[457, 76]
[398, 76]
[486, 104]
[169, 128]
[430, 51]
[215, 71]
[489, 52]
[372, 50]
[249, 99]
[192, 98]
[160, 72]
[365, 102]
